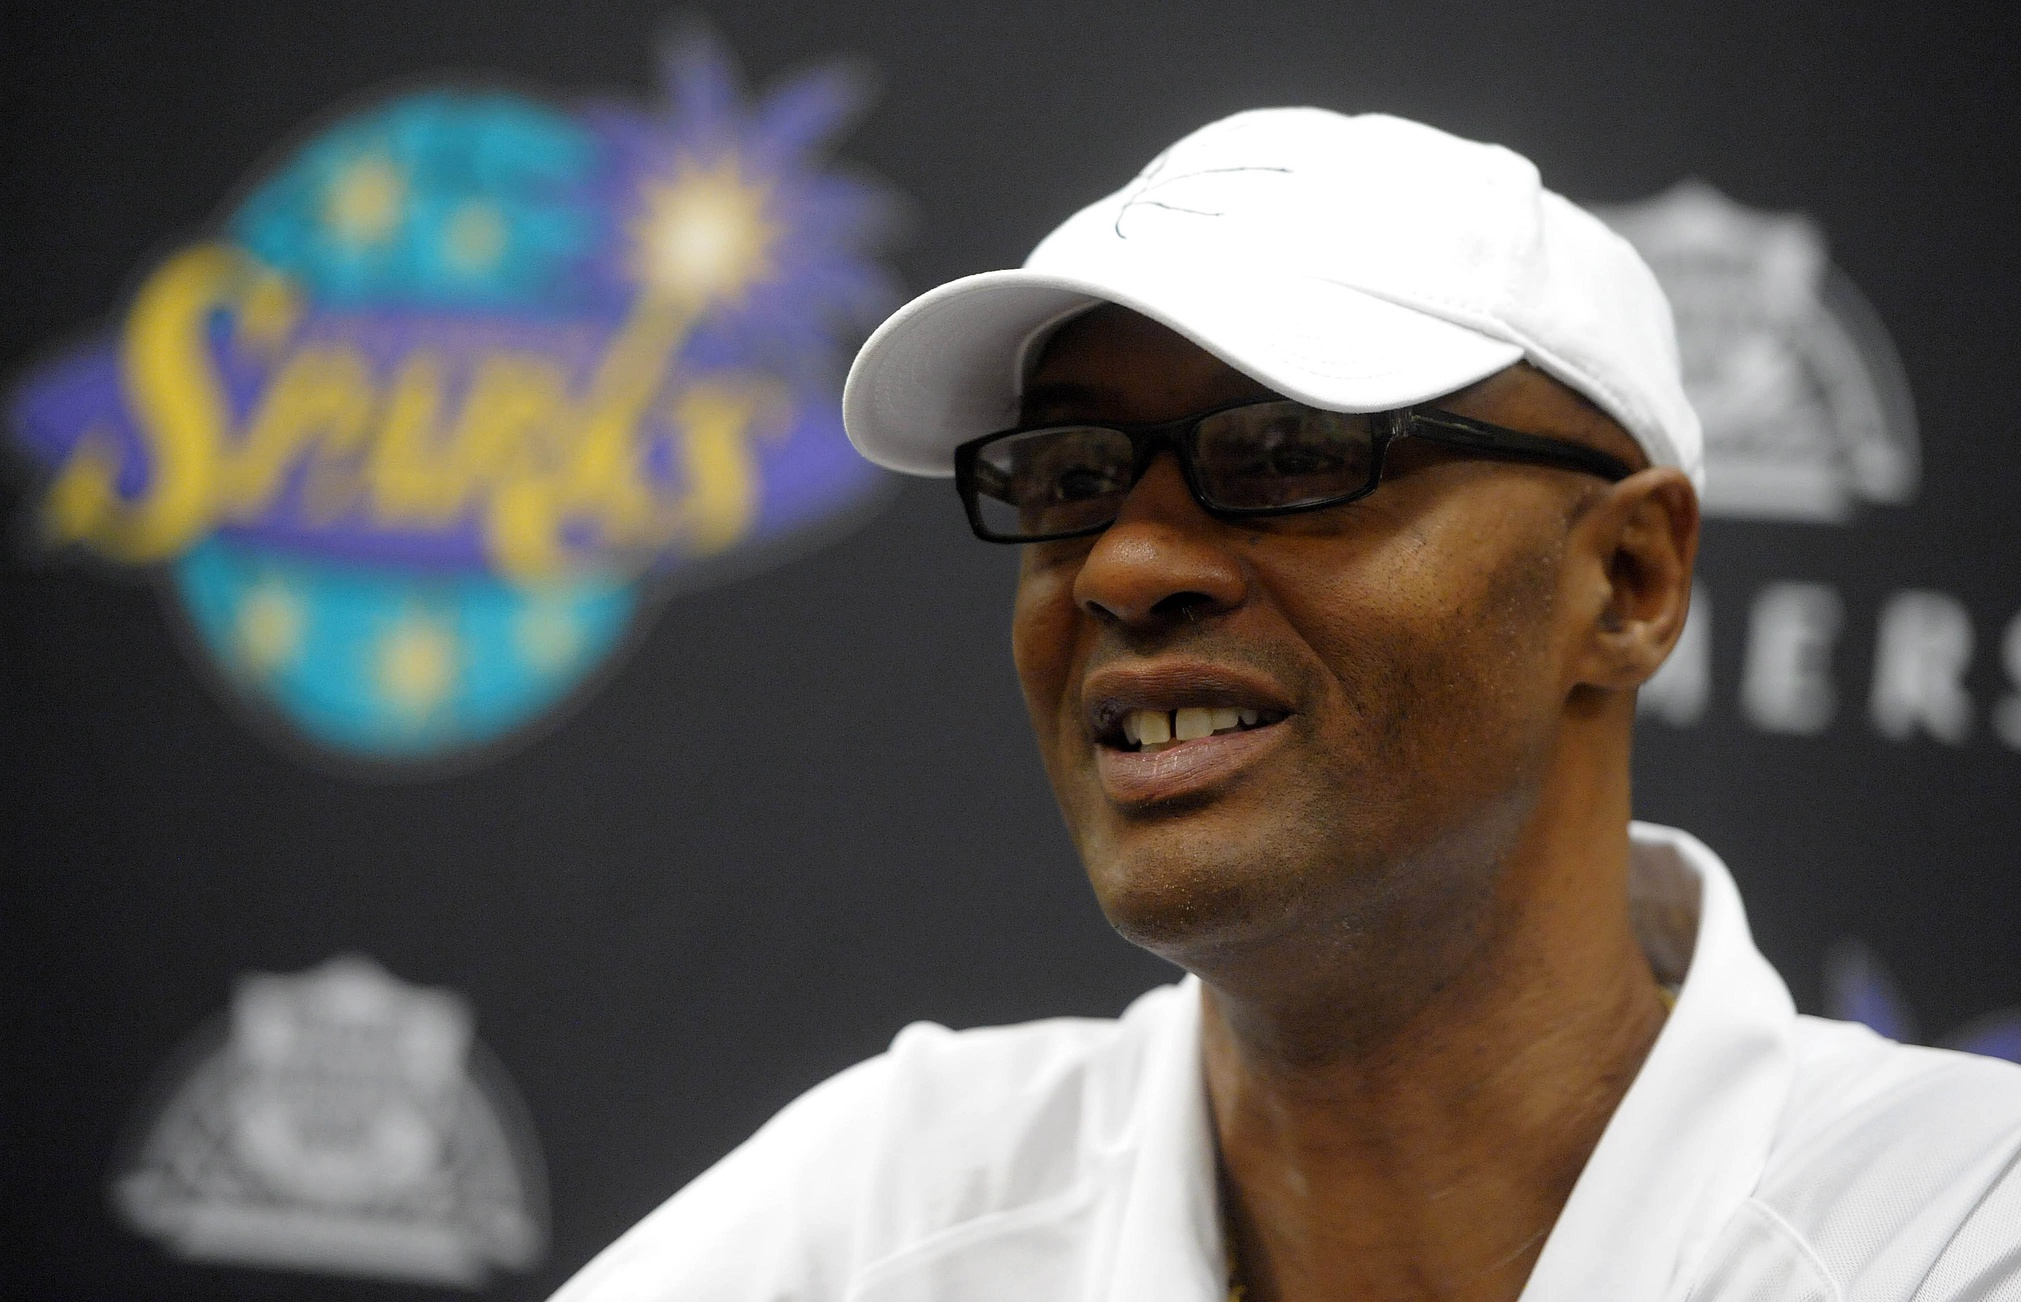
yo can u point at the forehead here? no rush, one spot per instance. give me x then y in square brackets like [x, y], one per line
[1111, 363]
[1115, 363]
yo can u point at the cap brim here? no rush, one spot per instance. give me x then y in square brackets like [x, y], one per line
[942, 369]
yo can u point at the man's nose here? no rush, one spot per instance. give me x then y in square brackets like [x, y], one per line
[1164, 558]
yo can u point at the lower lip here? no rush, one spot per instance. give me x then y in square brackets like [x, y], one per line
[1141, 778]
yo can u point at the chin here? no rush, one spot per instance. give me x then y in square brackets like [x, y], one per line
[1161, 894]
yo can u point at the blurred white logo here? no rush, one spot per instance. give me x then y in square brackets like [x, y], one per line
[1806, 409]
[342, 1121]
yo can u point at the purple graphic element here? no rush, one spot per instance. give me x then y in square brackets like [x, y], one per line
[77, 394]
[818, 282]
[1858, 988]
[1996, 1035]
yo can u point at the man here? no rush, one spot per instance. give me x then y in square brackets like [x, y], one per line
[1355, 487]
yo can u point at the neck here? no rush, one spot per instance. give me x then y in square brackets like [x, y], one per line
[1403, 1113]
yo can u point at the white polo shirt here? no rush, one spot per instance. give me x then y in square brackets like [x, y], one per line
[1759, 1156]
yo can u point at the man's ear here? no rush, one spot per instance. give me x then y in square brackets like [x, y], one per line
[1642, 536]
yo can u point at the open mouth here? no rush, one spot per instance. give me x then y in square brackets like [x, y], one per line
[1149, 731]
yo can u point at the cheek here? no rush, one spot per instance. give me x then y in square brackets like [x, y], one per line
[1043, 629]
[1439, 652]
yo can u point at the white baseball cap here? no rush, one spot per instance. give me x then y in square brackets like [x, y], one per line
[1352, 263]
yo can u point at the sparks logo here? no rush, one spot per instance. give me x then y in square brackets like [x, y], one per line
[463, 384]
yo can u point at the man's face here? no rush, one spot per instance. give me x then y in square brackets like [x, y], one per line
[1398, 665]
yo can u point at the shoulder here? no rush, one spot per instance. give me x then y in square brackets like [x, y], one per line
[1894, 1170]
[942, 1129]
[1003, 1117]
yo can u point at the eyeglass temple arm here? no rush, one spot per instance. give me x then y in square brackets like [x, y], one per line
[1445, 427]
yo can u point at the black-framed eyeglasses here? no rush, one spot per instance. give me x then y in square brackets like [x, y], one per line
[1241, 461]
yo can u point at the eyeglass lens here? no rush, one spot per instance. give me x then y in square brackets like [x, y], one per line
[1264, 456]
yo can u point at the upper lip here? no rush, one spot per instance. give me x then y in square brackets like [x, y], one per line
[1113, 691]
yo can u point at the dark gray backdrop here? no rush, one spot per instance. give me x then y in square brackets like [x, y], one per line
[806, 810]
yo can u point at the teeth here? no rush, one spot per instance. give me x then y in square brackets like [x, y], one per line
[1156, 729]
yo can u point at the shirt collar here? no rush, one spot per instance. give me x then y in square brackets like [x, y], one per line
[1690, 1139]
[1168, 1242]
[1685, 1147]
